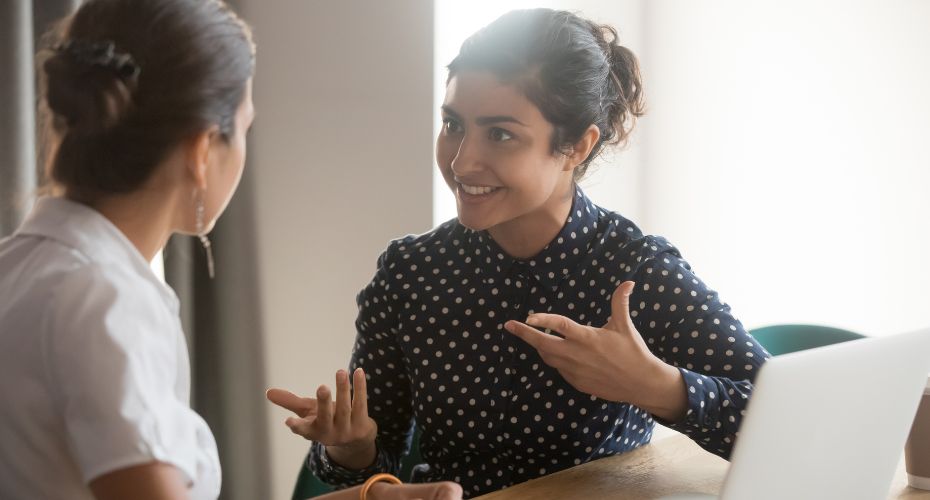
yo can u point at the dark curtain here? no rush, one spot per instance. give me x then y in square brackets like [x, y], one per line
[22, 24]
[222, 319]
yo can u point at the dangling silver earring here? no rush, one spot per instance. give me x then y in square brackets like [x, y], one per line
[203, 237]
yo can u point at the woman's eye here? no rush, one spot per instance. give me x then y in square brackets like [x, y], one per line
[451, 126]
[499, 135]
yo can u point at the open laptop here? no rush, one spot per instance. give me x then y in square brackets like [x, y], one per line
[829, 422]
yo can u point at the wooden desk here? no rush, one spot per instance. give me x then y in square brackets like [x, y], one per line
[670, 465]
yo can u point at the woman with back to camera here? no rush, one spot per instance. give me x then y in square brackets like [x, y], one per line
[150, 101]
[530, 101]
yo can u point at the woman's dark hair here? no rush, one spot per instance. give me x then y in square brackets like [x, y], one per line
[572, 69]
[126, 81]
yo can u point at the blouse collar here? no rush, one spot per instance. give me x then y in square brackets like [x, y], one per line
[80, 227]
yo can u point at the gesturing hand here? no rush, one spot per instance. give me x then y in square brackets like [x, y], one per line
[343, 426]
[612, 362]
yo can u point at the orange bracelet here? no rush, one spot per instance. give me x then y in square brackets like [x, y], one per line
[388, 478]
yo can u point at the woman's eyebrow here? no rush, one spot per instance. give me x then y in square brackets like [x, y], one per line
[484, 120]
[491, 120]
[449, 111]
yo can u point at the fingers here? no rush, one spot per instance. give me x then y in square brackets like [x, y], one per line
[302, 426]
[620, 308]
[537, 339]
[290, 401]
[338, 422]
[343, 400]
[324, 413]
[557, 323]
[360, 397]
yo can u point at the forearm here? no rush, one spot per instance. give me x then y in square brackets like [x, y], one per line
[387, 491]
[354, 457]
[346, 494]
[151, 481]
[717, 359]
[715, 410]
[323, 465]
[376, 491]
[663, 393]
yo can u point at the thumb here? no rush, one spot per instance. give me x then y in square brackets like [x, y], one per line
[620, 308]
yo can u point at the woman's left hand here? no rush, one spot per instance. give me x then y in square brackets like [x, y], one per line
[612, 362]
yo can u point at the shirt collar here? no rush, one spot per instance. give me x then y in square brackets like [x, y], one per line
[78, 226]
[554, 262]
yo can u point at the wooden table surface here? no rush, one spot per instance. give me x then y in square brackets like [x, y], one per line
[669, 465]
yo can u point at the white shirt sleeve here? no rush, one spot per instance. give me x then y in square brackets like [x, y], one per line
[113, 360]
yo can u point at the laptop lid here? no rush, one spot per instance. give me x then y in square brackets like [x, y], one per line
[830, 422]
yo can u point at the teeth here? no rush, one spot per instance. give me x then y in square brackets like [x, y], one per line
[476, 190]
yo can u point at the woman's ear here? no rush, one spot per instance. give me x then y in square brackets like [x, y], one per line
[582, 148]
[198, 156]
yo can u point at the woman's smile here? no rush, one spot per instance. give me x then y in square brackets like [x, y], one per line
[475, 194]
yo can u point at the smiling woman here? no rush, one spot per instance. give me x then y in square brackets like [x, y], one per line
[499, 166]
[530, 101]
[541, 111]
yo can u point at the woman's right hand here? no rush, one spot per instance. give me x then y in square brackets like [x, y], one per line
[343, 426]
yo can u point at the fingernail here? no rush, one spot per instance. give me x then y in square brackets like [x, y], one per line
[531, 320]
[342, 376]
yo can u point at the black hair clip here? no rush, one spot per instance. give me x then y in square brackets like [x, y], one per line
[101, 54]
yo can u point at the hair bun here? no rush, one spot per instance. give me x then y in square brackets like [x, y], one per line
[625, 103]
[90, 85]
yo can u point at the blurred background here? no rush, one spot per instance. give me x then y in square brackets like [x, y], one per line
[786, 152]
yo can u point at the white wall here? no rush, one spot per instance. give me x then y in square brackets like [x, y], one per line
[787, 155]
[342, 159]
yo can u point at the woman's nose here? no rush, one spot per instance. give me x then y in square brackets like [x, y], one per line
[467, 158]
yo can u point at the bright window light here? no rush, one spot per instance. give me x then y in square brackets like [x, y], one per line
[158, 266]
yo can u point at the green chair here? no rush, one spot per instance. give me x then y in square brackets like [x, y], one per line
[782, 339]
[309, 486]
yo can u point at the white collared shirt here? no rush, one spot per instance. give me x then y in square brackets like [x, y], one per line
[94, 369]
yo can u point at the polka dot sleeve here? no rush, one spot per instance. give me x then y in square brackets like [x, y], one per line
[389, 401]
[687, 325]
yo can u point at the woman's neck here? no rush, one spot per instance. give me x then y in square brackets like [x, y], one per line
[527, 235]
[146, 217]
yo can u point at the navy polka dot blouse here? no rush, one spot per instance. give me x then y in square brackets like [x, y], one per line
[491, 413]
